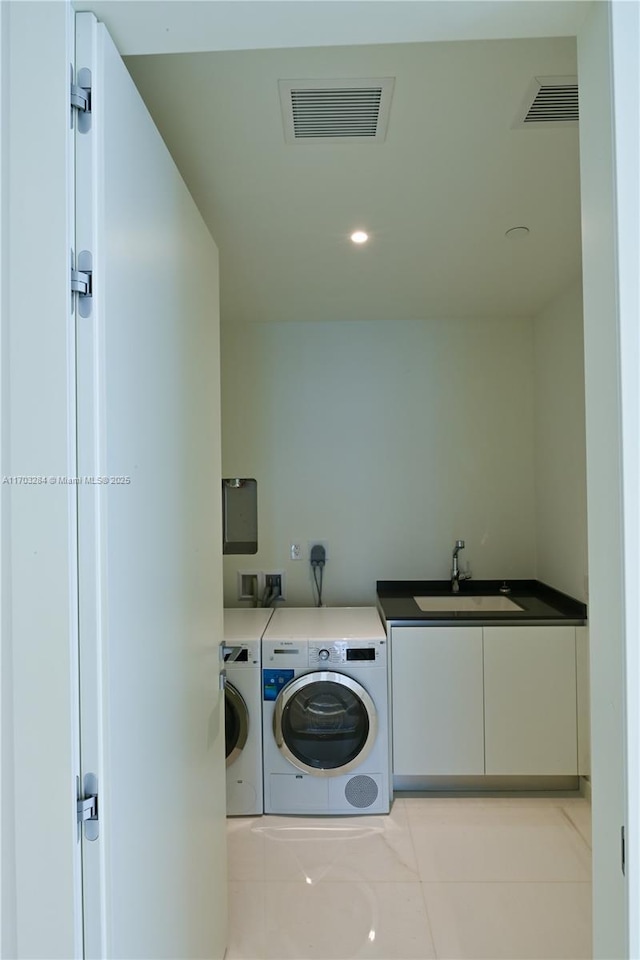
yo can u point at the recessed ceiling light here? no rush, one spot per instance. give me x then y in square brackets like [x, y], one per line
[517, 233]
[359, 236]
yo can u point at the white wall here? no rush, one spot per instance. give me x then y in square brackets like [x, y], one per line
[388, 441]
[560, 471]
[39, 643]
[625, 37]
[7, 828]
[560, 467]
[604, 482]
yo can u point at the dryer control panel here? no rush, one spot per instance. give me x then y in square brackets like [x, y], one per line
[273, 681]
[323, 653]
[342, 652]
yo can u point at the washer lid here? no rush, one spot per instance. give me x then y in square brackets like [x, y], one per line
[325, 623]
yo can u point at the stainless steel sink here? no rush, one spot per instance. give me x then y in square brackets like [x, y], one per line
[455, 602]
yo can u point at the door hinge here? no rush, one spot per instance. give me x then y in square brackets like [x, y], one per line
[87, 807]
[82, 282]
[81, 99]
[623, 852]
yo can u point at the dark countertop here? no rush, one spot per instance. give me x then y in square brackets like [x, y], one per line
[542, 605]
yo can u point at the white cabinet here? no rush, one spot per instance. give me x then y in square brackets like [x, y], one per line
[530, 701]
[484, 700]
[437, 700]
[584, 712]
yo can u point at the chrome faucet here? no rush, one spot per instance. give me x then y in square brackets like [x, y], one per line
[456, 576]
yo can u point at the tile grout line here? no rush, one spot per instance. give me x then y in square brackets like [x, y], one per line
[422, 890]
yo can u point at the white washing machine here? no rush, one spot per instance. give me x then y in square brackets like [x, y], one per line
[325, 712]
[243, 631]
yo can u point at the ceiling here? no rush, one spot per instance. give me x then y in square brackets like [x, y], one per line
[436, 197]
[187, 26]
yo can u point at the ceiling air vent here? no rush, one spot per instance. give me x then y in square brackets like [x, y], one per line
[335, 111]
[550, 102]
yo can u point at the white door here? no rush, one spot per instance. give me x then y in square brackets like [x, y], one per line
[149, 508]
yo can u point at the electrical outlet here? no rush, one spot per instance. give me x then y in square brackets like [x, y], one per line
[295, 551]
[275, 582]
[320, 543]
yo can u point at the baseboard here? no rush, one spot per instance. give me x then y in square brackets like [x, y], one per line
[487, 785]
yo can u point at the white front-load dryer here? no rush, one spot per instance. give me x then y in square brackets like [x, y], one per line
[325, 712]
[243, 631]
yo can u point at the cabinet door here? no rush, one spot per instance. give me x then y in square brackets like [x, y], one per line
[584, 707]
[530, 700]
[437, 701]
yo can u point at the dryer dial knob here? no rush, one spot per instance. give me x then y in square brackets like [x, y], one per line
[324, 655]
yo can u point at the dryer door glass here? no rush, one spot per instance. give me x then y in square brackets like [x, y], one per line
[236, 723]
[327, 725]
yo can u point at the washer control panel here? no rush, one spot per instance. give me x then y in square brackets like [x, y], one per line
[244, 654]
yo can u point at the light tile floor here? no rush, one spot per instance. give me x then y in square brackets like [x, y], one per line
[456, 878]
